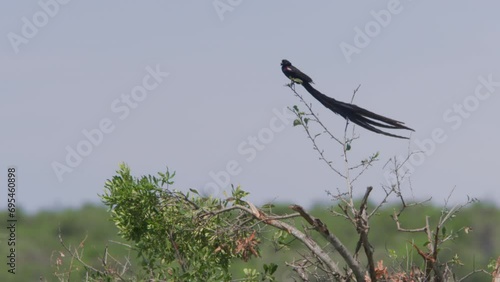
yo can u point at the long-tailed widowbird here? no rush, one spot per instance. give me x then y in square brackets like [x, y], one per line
[360, 116]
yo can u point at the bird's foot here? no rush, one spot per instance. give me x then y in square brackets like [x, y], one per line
[291, 85]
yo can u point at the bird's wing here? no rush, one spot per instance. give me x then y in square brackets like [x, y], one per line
[296, 75]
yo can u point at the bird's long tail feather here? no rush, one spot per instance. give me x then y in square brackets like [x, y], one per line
[357, 115]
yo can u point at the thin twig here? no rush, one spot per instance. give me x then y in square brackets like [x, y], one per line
[315, 116]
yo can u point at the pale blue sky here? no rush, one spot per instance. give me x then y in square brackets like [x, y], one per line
[225, 84]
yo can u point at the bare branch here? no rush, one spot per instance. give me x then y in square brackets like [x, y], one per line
[354, 93]
[337, 244]
[300, 269]
[308, 242]
[315, 116]
[395, 217]
[77, 256]
[363, 227]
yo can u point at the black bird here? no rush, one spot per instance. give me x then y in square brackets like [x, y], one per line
[362, 117]
[294, 74]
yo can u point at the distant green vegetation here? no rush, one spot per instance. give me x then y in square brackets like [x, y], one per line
[38, 247]
[39, 250]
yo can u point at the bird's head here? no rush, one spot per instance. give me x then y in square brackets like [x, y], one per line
[285, 63]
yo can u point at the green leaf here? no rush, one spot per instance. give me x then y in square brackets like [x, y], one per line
[296, 122]
[392, 254]
[268, 206]
[272, 268]
[306, 120]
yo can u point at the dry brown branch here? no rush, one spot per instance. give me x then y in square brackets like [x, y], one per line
[496, 272]
[322, 229]
[271, 220]
[75, 255]
[363, 227]
[300, 268]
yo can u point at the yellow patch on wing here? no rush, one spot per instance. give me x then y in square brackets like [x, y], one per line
[296, 80]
